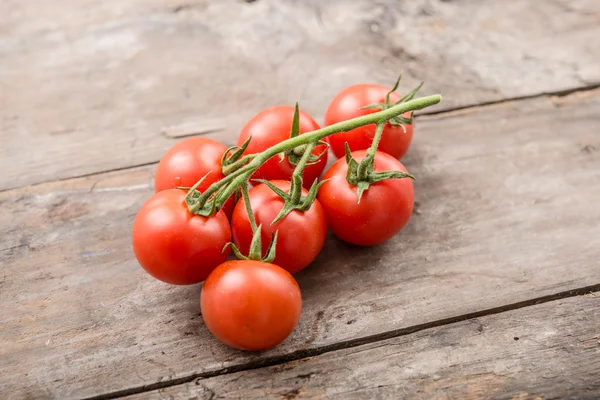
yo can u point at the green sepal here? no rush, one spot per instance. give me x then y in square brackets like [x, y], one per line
[208, 209]
[288, 205]
[362, 186]
[274, 188]
[291, 156]
[192, 200]
[310, 198]
[387, 96]
[314, 159]
[410, 95]
[400, 120]
[229, 159]
[295, 122]
[365, 166]
[372, 106]
[362, 174]
[383, 175]
[303, 203]
[193, 194]
[253, 254]
[236, 251]
[352, 172]
[271, 250]
[386, 104]
[229, 244]
[285, 210]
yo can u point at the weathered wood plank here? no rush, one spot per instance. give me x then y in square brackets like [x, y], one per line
[506, 212]
[78, 78]
[545, 351]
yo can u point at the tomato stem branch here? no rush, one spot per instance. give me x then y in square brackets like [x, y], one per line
[248, 164]
[376, 139]
[344, 126]
[246, 198]
[296, 188]
[366, 165]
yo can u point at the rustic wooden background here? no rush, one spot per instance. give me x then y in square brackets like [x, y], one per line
[491, 291]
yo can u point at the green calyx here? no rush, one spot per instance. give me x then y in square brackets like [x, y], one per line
[398, 120]
[294, 155]
[194, 202]
[255, 252]
[232, 158]
[293, 200]
[362, 174]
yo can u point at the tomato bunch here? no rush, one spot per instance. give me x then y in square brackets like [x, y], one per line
[203, 208]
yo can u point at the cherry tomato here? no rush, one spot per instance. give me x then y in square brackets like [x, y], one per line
[273, 126]
[384, 208]
[251, 305]
[301, 234]
[348, 104]
[189, 161]
[175, 246]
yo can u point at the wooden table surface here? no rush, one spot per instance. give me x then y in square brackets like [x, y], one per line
[491, 291]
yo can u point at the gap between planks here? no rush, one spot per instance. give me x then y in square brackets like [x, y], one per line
[562, 95]
[297, 355]
[559, 94]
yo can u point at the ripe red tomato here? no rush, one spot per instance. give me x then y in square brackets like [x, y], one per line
[348, 104]
[187, 162]
[251, 305]
[175, 246]
[384, 208]
[301, 234]
[273, 126]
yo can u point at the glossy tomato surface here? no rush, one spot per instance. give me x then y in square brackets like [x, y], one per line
[301, 234]
[175, 246]
[348, 104]
[272, 126]
[251, 305]
[385, 207]
[187, 162]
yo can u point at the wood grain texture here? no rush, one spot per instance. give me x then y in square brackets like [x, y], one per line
[505, 212]
[548, 351]
[88, 86]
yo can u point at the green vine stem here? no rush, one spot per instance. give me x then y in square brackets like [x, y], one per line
[228, 185]
[296, 189]
[255, 251]
[367, 163]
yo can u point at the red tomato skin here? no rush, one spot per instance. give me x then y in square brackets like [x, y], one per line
[175, 246]
[301, 234]
[271, 126]
[383, 210]
[187, 162]
[251, 305]
[348, 104]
